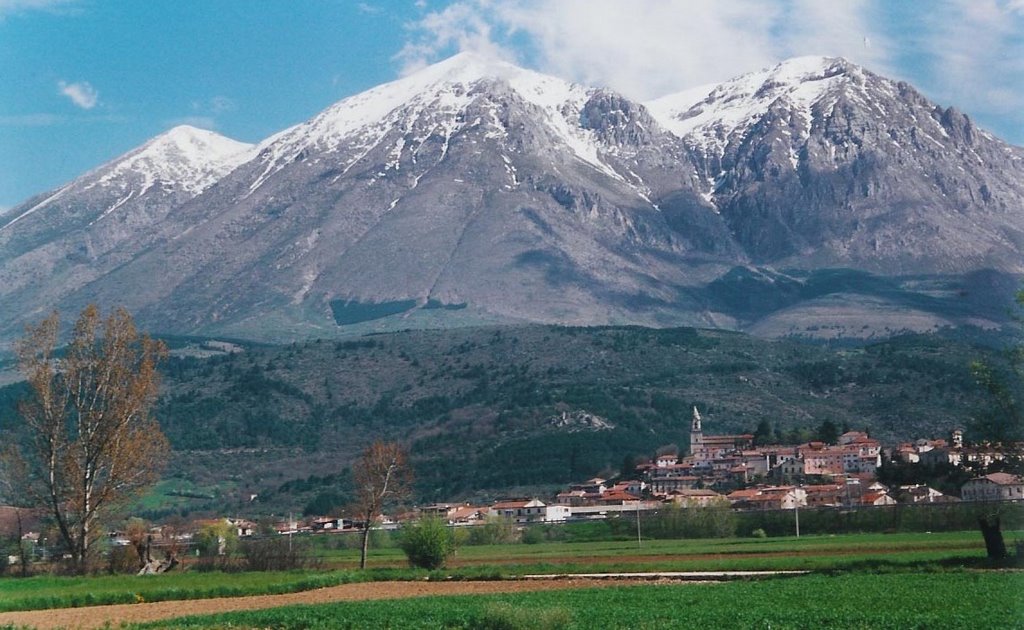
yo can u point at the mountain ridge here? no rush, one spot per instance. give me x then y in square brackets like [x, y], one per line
[507, 195]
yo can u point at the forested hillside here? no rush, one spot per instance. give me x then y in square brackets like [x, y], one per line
[491, 409]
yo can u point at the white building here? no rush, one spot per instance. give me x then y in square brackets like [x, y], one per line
[994, 487]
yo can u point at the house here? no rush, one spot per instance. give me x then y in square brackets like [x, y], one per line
[557, 513]
[590, 486]
[520, 510]
[632, 487]
[822, 459]
[851, 437]
[618, 497]
[877, 498]
[769, 498]
[663, 461]
[826, 495]
[571, 498]
[920, 493]
[330, 523]
[467, 515]
[939, 456]
[440, 510]
[994, 487]
[667, 484]
[243, 527]
[695, 497]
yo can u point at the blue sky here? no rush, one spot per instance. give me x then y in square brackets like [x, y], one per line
[86, 80]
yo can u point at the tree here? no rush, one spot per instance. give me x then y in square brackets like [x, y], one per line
[381, 475]
[1005, 422]
[217, 539]
[428, 543]
[90, 442]
[763, 434]
[827, 432]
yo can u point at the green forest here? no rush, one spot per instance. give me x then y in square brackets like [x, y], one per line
[479, 408]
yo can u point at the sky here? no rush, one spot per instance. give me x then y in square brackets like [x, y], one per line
[83, 81]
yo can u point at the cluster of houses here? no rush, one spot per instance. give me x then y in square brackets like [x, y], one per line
[719, 470]
[733, 460]
[730, 470]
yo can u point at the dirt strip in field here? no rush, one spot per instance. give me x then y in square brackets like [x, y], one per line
[98, 616]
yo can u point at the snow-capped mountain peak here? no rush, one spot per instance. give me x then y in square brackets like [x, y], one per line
[711, 114]
[191, 159]
[439, 91]
[433, 85]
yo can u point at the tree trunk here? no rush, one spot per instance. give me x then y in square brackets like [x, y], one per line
[22, 551]
[992, 532]
[366, 545]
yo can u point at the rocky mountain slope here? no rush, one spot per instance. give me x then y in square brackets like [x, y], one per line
[57, 243]
[475, 191]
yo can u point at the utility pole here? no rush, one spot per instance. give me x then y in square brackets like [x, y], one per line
[796, 511]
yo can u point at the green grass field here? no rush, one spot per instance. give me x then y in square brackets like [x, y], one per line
[877, 553]
[808, 552]
[898, 601]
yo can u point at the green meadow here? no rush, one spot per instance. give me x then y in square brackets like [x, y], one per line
[853, 600]
[938, 555]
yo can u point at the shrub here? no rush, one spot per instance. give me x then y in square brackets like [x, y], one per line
[495, 531]
[217, 540]
[123, 559]
[712, 521]
[759, 533]
[532, 535]
[275, 554]
[428, 543]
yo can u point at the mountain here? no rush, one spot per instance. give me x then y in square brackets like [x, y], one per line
[818, 162]
[810, 196]
[57, 243]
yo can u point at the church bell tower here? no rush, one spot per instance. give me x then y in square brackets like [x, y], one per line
[696, 434]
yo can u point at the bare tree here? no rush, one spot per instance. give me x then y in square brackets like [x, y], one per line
[91, 442]
[382, 474]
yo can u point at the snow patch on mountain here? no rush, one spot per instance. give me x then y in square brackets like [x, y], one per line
[188, 158]
[360, 122]
[709, 115]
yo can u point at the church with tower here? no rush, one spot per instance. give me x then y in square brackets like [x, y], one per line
[707, 448]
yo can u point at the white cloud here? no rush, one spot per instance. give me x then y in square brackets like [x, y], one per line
[969, 53]
[81, 93]
[9, 7]
[462, 25]
[368, 9]
[979, 50]
[646, 48]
